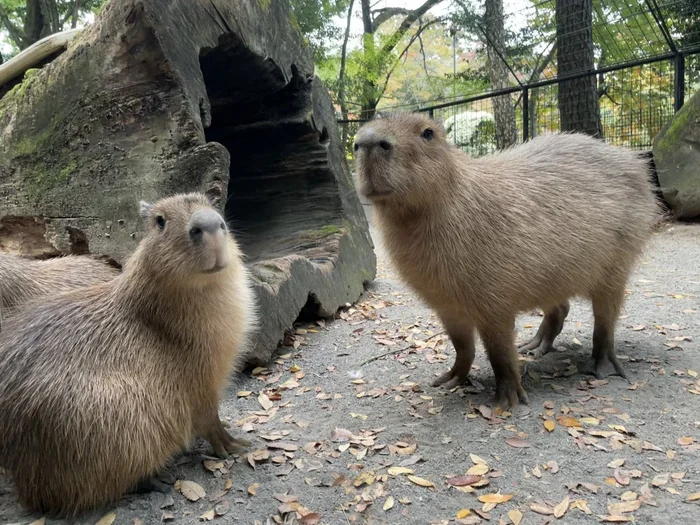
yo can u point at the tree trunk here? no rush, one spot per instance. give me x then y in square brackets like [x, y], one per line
[369, 82]
[76, 13]
[504, 112]
[341, 75]
[578, 99]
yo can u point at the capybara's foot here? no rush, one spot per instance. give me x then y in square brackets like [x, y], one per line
[152, 484]
[607, 365]
[452, 378]
[509, 394]
[224, 443]
[537, 348]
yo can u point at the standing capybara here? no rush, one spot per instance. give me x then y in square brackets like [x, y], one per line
[482, 240]
[102, 385]
[23, 279]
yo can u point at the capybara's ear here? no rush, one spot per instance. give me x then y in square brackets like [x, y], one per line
[214, 196]
[145, 209]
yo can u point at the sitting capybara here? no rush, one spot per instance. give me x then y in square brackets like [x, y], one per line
[102, 385]
[22, 278]
[482, 240]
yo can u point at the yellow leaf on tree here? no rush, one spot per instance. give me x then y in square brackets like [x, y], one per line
[549, 425]
[420, 481]
[495, 498]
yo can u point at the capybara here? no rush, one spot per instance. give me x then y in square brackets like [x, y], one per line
[22, 278]
[483, 239]
[102, 385]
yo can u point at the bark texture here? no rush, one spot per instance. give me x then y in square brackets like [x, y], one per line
[578, 99]
[156, 98]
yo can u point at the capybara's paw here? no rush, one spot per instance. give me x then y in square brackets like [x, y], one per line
[451, 379]
[151, 484]
[509, 394]
[606, 366]
[224, 443]
[530, 345]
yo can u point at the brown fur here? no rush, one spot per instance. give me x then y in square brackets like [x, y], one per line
[22, 279]
[482, 240]
[102, 385]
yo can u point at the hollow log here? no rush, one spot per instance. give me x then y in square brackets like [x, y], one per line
[159, 97]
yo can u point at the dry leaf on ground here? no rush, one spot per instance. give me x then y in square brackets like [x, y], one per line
[107, 519]
[515, 516]
[191, 490]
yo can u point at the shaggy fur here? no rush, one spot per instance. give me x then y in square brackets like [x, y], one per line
[482, 240]
[102, 385]
[22, 279]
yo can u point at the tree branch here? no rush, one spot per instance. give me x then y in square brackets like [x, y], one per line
[15, 32]
[406, 25]
[415, 37]
[387, 13]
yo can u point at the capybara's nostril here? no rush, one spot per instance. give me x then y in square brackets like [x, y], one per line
[356, 146]
[195, 232]
[384, 145]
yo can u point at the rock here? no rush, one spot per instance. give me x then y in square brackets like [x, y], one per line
[162, 97]
[677, 158]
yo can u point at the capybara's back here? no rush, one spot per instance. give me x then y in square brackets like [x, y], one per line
[102, 385]
[23, 279]
[482, 240]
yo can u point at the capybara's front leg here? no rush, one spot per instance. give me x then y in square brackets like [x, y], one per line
[549, 329]
[500, 348]
[606, 309]
[462, 336]
[223, 443]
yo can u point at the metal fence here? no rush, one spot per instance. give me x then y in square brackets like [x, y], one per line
[636, 100]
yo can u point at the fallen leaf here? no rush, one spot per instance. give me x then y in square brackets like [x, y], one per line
[312, 518]
[693, 497]
[286, 498]
[660, 480]
[622, 477]
[398, 471]
[616, 509]
[253, 489]
[478, 470]
[518, 443]
[495, 498]
[541, 509]
[265, 401]
[208, 515]
[549, 425]
[562, 508]
[567, 421]
[485, 411]
[638, 327]
[389, 503]
[222, 508]
[476, 459]
[628, 496]
[515, 516]
[685, 441]
[463, 481]
[191, 490]
[463, 513]
[420, 481]
[615, 519]
[616, 463]
[107, 519]
[553, 467]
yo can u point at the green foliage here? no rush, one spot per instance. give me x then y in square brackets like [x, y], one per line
[314, 19]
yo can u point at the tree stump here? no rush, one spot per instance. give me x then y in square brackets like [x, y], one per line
[158, 97]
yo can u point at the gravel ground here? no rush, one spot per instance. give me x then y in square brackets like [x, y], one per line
[334, 442]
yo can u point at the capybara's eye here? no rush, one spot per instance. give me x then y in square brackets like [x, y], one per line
[428, 134]
[160, 221]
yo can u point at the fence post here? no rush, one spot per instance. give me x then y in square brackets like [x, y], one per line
[679, 81]
[526, 114]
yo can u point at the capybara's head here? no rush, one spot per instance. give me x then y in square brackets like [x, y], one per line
[187, 238]
[401, 156]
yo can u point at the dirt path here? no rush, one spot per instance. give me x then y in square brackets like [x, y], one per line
[376, 444]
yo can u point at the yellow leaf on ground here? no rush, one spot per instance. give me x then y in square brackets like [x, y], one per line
[694, 497]
[253, 489]
[107, 519]
[623, 507]
[476, 459]
[495, 498]
[463, 514]
[388, 503]
[615, 519]
[562, 508]
[478, 470]
[515, 516]
[208, 515]
[549, 425]
[265, 401]
[420, 481]
[568, 421]
[616, 463]
[398, 471]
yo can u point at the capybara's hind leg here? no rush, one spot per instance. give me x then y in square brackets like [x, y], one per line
[549, 329]
[606, 309]
[462, 337]
[223, 443]
[500, 348]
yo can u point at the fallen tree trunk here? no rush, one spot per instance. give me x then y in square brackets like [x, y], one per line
[162, 97]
